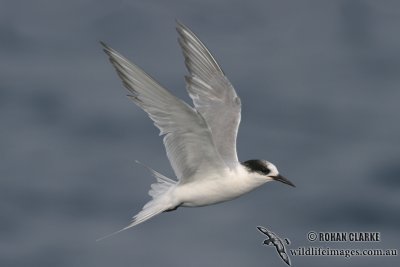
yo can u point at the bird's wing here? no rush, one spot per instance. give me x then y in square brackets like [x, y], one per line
[212, 93]
[187, 138]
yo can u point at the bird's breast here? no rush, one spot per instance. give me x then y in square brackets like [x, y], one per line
[209, 190]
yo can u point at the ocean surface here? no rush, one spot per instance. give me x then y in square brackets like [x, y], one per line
[320, 88]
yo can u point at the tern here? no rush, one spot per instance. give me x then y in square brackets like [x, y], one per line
[200, 141]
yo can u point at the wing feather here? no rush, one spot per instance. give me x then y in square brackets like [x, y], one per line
[187, 138]
[212, 94]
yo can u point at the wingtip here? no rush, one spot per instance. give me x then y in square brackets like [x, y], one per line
[103, 44]
[178, 22]
[106, 48]
[180, 27]
[262, 229]
[259, 227]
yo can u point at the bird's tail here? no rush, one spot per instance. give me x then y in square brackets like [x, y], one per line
[157, 205]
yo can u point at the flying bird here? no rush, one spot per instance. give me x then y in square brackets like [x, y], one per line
[200, 141]
[274, 240]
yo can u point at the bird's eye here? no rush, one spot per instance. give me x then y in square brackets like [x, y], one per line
[266, 171]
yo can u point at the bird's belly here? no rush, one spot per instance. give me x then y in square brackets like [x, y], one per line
[211, 192]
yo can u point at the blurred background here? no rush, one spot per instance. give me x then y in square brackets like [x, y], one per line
[319, 83]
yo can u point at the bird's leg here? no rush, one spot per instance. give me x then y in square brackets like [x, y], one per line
[172, 209]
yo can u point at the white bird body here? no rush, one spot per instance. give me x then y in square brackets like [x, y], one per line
[200, 141]
[215, 188]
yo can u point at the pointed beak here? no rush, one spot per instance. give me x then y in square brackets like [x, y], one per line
[282, 179]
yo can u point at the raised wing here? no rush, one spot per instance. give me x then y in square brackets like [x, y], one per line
[212, 93]
[188, 141]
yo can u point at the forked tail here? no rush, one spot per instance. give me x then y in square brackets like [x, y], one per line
[160, 202]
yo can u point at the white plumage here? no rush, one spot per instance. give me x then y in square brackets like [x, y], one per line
[200, 142]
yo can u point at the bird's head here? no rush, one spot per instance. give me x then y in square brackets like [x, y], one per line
[265, 170]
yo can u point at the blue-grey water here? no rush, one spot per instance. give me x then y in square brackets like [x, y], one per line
[320, 88]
